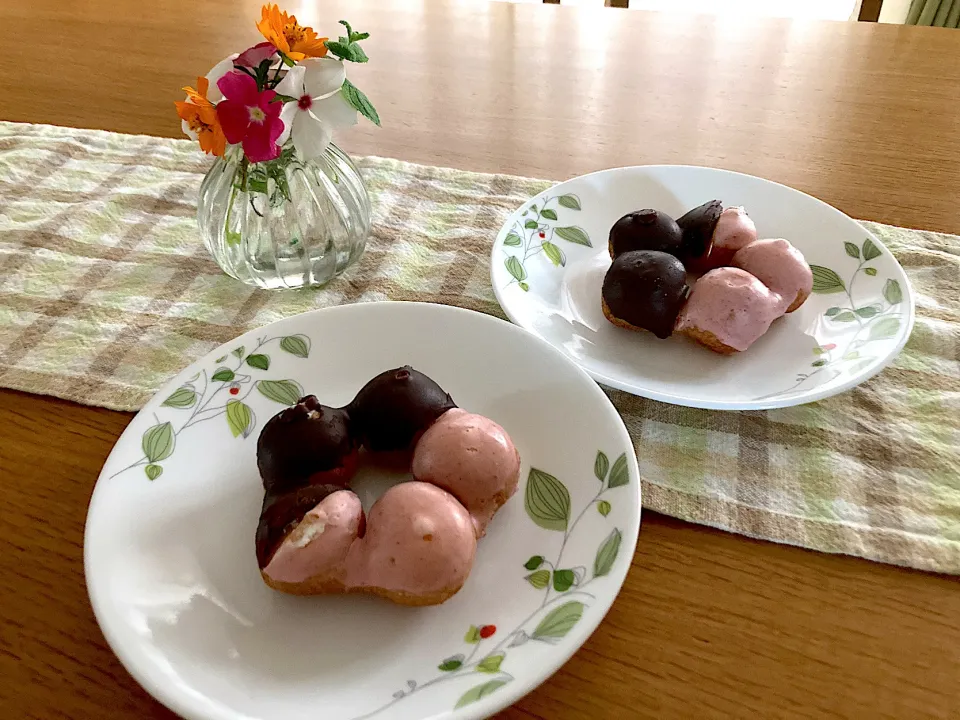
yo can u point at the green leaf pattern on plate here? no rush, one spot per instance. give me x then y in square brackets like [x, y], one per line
[472, 636]
[860, 323]
[559, 621]
[539, 579]
[547, 501]
[607, 553]
[221, 390]
[298, 345]
[601, 466]
[491, 663]
[619, 472]
[537, 235]
[454, 662]
[480, 691]
[285, 392]
[826, 281]
[534, 562]
[223, 375]
[259, 361]
[158, 442]
[563, 580]
[182, 397]
[240, 418]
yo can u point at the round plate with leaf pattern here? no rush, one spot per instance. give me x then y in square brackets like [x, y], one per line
[169, 546]
[550, 258]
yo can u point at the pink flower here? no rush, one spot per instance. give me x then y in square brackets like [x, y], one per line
[252, 57]
[248, 116]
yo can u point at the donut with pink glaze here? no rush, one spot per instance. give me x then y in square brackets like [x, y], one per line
[418, 542]
[748, 283]
[734, 230]
[779, 266]
[728, 310]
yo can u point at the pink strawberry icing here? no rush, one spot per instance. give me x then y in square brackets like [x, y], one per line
[779, 266]
[734, 230]
[473, 459]
[419, 540]
[319, 544]
[731, 304]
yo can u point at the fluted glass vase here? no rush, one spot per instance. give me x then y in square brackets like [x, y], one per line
[285, 223]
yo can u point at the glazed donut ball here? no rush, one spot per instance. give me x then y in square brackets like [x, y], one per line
[728, 310]
[311, 556]
[473, 459]
[306, 443]
[779, 266]
[419, 546]
[644, 230]
[396, 407]
[697, 227]
[735, 230]
[644, 289]
[282, 513]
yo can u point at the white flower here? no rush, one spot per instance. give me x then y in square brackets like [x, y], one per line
[216, 72]
[319, 107]
[213, 92]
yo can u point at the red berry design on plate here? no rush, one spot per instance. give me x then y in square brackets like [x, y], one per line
[234, 390]
[487, 631]
[542, 234]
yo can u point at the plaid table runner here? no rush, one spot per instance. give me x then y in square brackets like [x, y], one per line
[106, 292]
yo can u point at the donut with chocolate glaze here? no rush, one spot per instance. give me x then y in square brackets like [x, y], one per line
[418, 545]
[697, 227]
[281, 513]
[396, 407]
[645, 290]
[308, 443]
[645, 230]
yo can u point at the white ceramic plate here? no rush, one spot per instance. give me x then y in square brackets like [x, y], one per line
[856, 322]
[169, 551]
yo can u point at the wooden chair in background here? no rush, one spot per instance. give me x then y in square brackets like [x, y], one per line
[869, 9]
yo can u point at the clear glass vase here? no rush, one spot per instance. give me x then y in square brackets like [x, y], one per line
[286, 223]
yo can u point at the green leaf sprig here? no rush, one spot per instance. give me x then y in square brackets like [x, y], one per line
[347, 48]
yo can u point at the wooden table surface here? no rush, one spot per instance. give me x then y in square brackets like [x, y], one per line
[708, 624]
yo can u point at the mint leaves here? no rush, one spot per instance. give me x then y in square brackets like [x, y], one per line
[359, 102]
[346, 48]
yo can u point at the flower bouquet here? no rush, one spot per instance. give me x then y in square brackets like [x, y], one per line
[282, 206]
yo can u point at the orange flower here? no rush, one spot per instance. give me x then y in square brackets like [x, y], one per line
[200, 118]
[288, 36]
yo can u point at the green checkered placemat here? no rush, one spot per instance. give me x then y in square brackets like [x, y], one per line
[106, 291]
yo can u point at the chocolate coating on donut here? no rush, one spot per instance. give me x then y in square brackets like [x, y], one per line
[645, 230]
[646, 289]
[391, 411]
[301, 441]
[282, 513]
[698, 226]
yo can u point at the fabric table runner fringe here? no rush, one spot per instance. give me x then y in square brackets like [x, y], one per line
[106, 292]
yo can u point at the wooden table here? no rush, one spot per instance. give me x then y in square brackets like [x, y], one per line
[865, 116]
